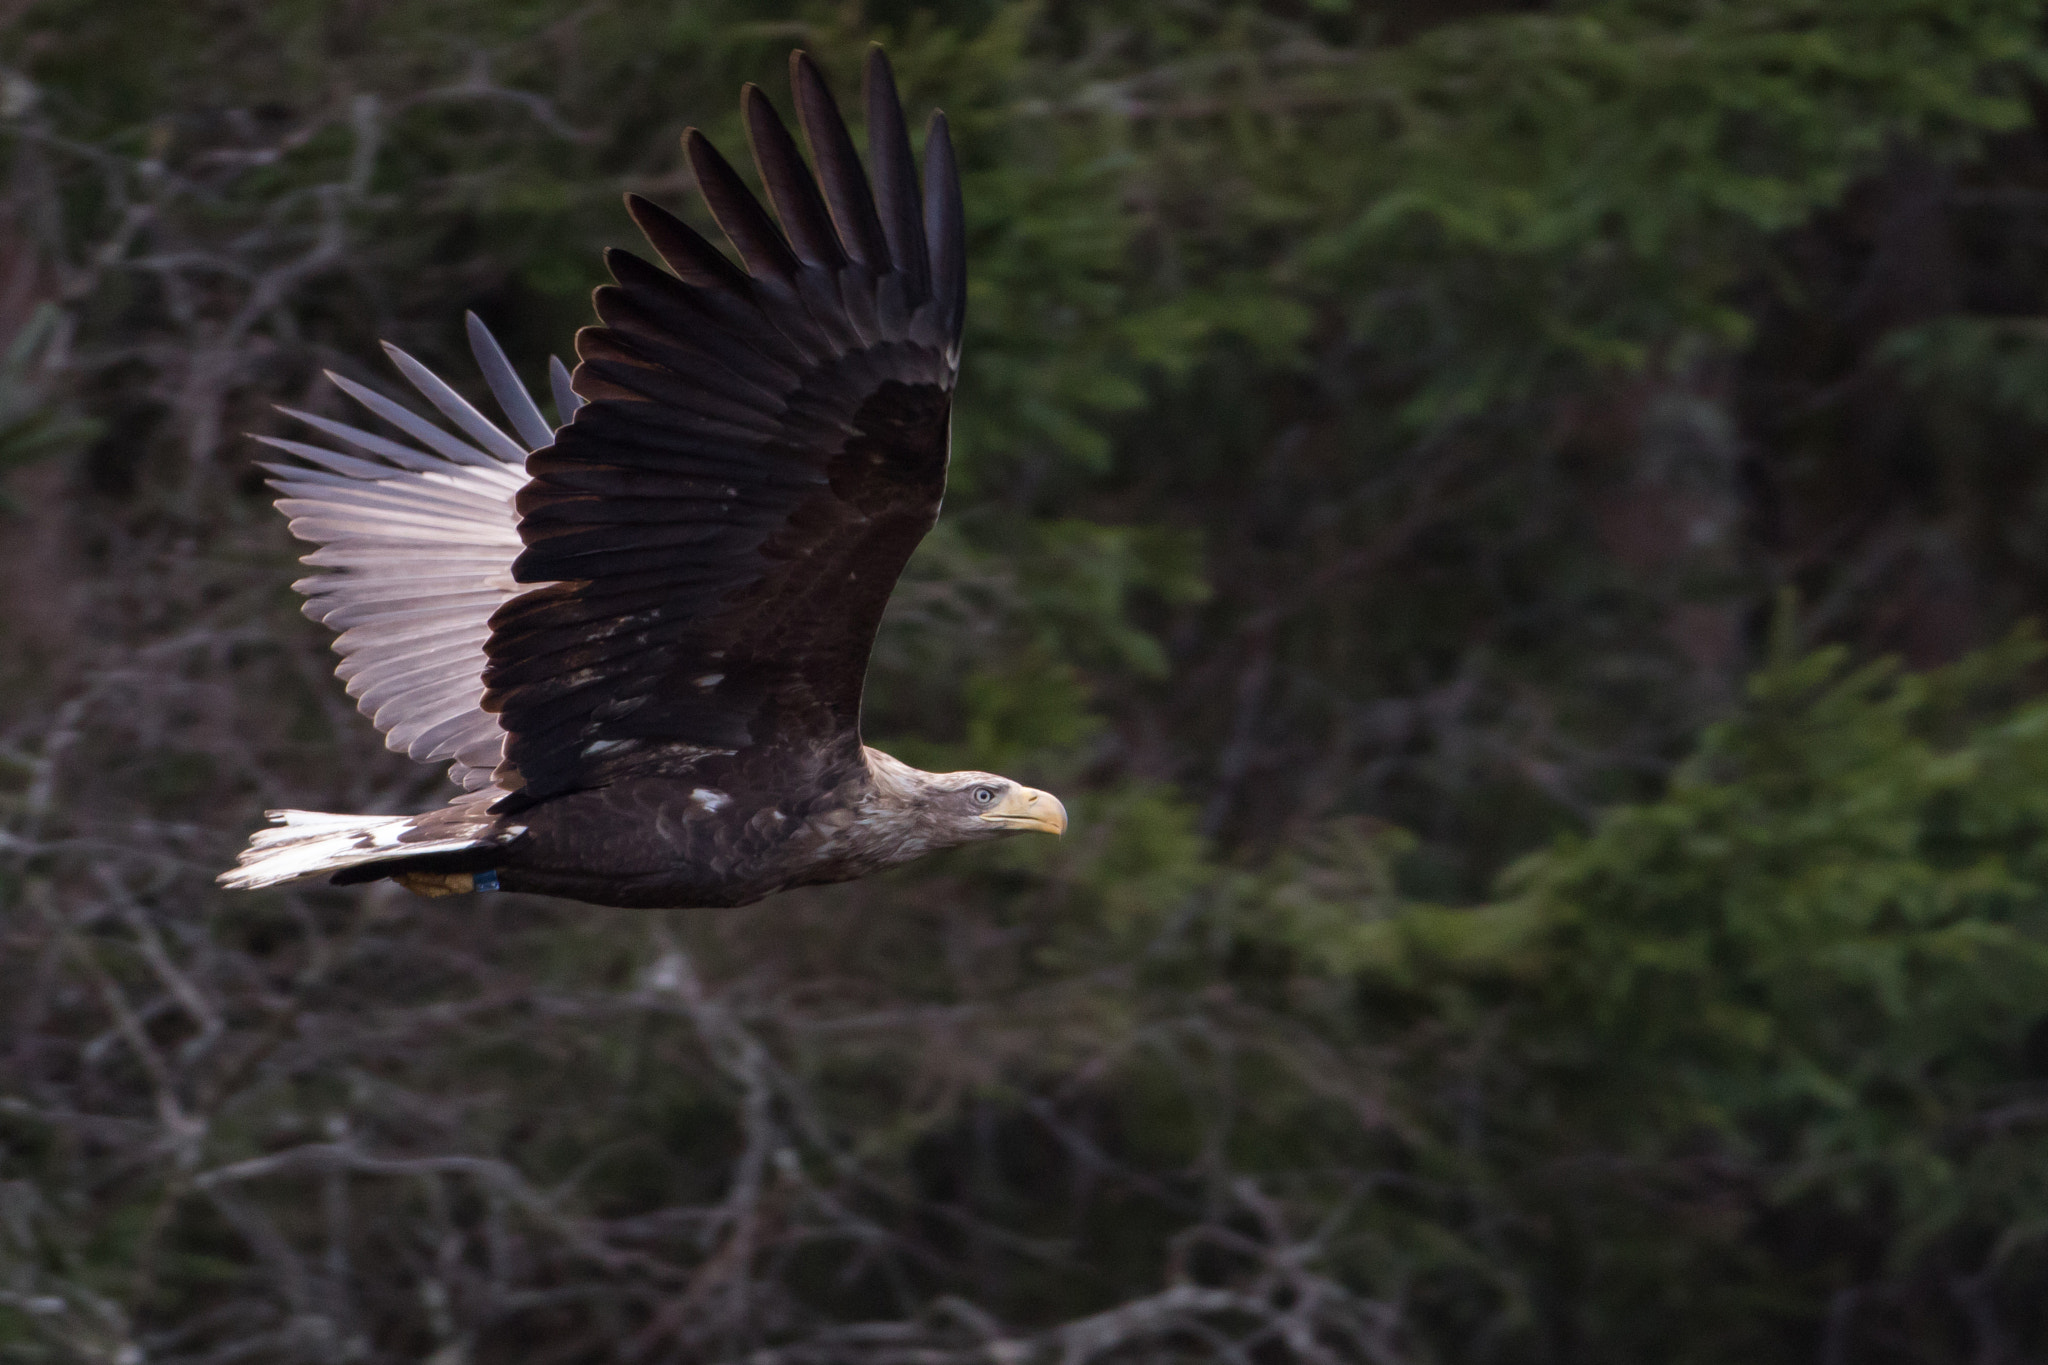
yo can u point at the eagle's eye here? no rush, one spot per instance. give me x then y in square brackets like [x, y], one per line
[984, 795]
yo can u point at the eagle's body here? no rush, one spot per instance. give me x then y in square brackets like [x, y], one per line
[661, 841]
[641, 636]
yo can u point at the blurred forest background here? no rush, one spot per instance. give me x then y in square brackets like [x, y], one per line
[1512, 525]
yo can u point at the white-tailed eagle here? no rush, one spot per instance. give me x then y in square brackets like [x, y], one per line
[640, 636]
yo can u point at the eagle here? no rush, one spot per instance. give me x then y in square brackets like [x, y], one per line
[639, 636]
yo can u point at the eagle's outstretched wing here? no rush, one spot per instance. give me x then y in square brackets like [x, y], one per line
[719, 529]
[421, 535]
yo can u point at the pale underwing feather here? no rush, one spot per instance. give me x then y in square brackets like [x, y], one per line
[418, 535]
[520, 409]
[456, 408]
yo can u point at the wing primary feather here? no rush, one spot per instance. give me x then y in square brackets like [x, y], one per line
[791, 187]
[898, 200]
[945, 228]
[839, 169]
[339, 491]
[456, 408]
[405, 457]
[567, 400]
[411, 423]
[685, 249]
[680, 404]
[518, 404]
[740, 216]
[435, 657]
[328, 459]
[321, 502]
[757, 356]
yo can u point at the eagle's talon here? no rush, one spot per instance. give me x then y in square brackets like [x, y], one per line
[437, 884]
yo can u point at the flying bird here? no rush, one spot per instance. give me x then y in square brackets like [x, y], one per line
[639, 636]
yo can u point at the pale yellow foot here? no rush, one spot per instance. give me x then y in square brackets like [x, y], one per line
[437, 883]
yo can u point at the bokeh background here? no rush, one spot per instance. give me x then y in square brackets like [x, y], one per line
[1511, 524]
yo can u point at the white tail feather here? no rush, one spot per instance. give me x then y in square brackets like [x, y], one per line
[306, 843]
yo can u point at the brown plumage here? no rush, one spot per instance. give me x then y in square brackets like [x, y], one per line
[641, 637]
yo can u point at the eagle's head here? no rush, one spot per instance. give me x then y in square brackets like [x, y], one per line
[982, 805]
[941, 810]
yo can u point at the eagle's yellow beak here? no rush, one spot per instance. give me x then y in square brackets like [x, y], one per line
[1028, 808]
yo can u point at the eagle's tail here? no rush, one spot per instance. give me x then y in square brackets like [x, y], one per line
[305, 843]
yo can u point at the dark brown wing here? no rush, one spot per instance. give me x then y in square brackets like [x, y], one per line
[723, 522]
